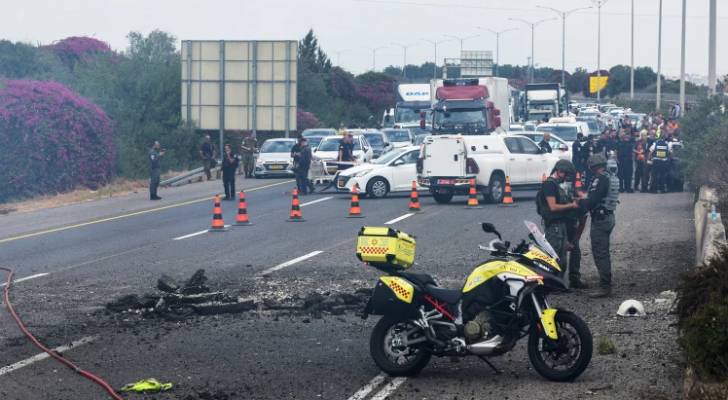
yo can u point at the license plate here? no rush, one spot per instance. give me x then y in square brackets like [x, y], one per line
[276, 167]
[446, 181]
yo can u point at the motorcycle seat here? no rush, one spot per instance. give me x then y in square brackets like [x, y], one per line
[419, 279]
[449, 296]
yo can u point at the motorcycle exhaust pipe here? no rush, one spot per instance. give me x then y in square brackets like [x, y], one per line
[485, 347]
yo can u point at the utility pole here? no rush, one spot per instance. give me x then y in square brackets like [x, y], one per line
[631, 57]
[599, 4]
[435, 43]
[404, 50]
[659, 60]
[533, 26]
[682, 61]
[497, 44]
[563, 15]
[374, 55]
[712, 22]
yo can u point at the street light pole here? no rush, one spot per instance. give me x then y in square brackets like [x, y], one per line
[712, 23]
[497, 44]
[563, 14]
[599, 4]
[533, 26]
[631, 68]
[374, 55]
[658, 93]
[682, 61]
[338, 55]
[435, 43]
[404, 50]
[462, 40]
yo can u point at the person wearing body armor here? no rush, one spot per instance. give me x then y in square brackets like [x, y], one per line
[660, 156]
[601, 201]
[555, 206]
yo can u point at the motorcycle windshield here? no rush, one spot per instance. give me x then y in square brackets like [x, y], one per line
[540, 239]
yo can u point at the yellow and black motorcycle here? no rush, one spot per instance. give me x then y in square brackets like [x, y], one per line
[503, 300]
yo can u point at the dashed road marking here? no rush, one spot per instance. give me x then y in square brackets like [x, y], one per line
[389, 389]
[317, 201]
[27, 278]
[291, 262]
[195, 234]
[142, 212]
[42, 356]
[394, 221]
[364, 391]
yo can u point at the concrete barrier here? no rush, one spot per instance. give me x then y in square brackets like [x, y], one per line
[709, 232]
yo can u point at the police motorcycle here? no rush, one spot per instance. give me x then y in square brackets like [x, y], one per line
[503, 300]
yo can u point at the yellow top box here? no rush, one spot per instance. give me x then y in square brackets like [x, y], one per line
[385, 248]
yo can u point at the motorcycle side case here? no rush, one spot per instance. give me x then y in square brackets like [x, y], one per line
[393, 296]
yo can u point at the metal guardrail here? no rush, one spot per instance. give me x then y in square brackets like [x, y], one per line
[188, 176]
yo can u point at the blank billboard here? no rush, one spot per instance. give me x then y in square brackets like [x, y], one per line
[240, 85]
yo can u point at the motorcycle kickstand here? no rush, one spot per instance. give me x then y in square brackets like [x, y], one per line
[496, 370]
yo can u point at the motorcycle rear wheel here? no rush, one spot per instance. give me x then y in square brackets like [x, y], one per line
[565, 360]
[390, 356]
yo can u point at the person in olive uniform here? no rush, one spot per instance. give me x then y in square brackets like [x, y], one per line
[601, 201]
[208, 157]
[248, 153]
[230, 163]
[554, 206]
[154, 170]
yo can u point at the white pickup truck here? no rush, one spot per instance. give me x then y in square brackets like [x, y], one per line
[448, 162]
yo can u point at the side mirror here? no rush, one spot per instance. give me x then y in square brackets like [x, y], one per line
[490, 228]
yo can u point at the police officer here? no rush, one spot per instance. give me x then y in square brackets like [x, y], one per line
[544, 143]
[601, 201]
[554, 205]
[660, 156]
[248, 154]
[154, 169]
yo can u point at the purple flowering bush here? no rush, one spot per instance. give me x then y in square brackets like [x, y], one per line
[51, 140]
[306, 120]
[77, 48]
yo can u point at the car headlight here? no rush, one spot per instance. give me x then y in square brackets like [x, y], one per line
[362, 173]
[259, 162]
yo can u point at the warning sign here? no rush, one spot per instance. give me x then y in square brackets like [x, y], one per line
[597, 83]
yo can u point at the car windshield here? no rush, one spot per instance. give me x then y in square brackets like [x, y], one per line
[567, 133]
[408, 115]
[445, 118]
[333, 145]
[387, 157]
[277, 146]
[313, 141]
[375, 139]
[397, 136]
[540, 239]
[317, 132]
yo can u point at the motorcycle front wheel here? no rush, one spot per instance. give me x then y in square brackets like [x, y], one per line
[389, 352]
[566, 358]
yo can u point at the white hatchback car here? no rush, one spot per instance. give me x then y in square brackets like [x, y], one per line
[274, 158]
[392, 172]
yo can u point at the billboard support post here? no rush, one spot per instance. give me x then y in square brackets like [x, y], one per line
[221, 108]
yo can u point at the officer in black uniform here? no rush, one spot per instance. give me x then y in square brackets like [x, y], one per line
[544, 143]
[660, 156]
[554, 205]
[154, 170]
[601, 201]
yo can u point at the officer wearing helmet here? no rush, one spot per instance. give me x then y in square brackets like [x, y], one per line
[555, 207]
[601, 201]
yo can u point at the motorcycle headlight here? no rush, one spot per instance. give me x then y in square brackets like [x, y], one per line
[362, 173]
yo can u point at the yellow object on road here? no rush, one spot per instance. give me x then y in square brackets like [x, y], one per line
[147, 385]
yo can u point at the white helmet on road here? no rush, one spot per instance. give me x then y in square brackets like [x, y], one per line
[631, 308]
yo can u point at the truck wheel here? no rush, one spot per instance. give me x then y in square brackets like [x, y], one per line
[442, 198]
[494, 192]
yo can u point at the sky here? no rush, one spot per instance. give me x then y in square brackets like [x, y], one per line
[351, 27]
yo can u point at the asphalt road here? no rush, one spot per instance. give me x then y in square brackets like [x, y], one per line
[265, 354]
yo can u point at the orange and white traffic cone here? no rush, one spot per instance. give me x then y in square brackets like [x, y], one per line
[414, 204]
[507, 194]
[218, 225]
[354, 209]
[295, 215]
[242, 218]
[472, 197]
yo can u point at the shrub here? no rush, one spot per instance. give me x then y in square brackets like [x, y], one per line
[77, 48]
[306, 120]
[52, 140]
[702, 309]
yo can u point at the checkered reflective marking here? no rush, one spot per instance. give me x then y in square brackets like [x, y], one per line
[401, 288]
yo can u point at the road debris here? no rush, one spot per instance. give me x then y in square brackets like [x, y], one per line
[631, 308]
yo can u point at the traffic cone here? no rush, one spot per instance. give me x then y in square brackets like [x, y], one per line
[242, 218]
[507, 196]
[354, 209]
[218, 225]
[295, 215]
[472, 197]
[414, 204]
[577, 184]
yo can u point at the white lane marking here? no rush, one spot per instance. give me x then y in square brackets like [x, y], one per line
[195, 234]
[27, 278]
[42, 356]
[364, 391]
[291, 262]
[394, 221]
[317, 201]
[389, 389]
[190, 235]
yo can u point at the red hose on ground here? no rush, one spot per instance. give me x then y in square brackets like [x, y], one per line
[57, 357]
